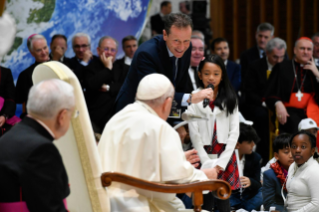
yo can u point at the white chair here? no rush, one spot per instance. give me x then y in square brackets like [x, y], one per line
[81, 158]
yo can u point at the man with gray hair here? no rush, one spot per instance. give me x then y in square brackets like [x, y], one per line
[81, 44]
[254, 88]
[37, 45]
[265, 32]
[33, 177]
[139, 142]
[98, 81]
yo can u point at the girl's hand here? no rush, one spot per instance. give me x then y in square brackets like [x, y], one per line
[207, 93]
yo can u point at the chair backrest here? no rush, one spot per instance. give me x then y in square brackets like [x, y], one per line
[78, 147]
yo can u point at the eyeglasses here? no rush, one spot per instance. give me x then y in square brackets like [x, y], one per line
[81, 46]
[107, 49]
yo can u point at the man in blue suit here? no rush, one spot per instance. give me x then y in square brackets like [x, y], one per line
[220, 47]
[168, 54]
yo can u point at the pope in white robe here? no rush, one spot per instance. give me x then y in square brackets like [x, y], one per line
[138, 142]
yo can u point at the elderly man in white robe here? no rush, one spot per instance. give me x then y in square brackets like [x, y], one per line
[138, 141]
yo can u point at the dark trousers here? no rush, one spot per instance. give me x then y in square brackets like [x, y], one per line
[295, 116]
[213, 204]
[261, 125]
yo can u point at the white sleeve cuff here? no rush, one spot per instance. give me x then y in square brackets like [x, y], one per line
[184, 102]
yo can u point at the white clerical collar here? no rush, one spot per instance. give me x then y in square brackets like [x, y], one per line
[43, 125]
[127, 60]
[225, 62]
[269, 65]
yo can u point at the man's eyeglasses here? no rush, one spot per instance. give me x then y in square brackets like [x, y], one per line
[80, 46]
[107, 49]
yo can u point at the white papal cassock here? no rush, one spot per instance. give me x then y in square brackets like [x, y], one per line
[137, 142]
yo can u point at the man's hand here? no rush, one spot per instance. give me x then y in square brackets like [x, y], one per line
[182, 133]
[207, 93]
[87, 56]
[2, 120]
[211, 173]
[107, 61]
[312, 66]
[192, 157]
[281, 113]
[245, 182]
[57, 53]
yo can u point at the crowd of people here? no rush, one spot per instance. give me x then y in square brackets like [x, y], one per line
[153, 85]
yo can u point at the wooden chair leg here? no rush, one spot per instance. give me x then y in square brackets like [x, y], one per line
[198, 201]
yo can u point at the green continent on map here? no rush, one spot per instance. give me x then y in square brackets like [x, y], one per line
[16, 44]
[43, 14]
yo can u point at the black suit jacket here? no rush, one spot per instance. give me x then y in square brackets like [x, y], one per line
[66, 61]
[157, 24]
[119, 71]
[99, 103]
[7, 91]
[30, 161]
[24, 83]
[246, 58]
[152, 57]
[234, 74]
[256, 81]
[252, 171]
[78, 68]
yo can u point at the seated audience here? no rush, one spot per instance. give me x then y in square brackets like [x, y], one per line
[291, 86]
[251, 196]
[275, 177]
[254, 89]
[81, 44]
[58, 48]
[7, 101]
[33, 177]
[157, 22]
[98, 80]
[122, 66]
[145, 146]
[37, 45]
[303, 174]
[220, 47]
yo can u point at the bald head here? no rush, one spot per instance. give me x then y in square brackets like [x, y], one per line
[303, 50]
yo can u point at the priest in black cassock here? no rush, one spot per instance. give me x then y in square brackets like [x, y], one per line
[37, 45]
[292, 86]
[33, 177]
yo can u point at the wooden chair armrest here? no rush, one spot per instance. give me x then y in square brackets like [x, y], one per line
[222, 189]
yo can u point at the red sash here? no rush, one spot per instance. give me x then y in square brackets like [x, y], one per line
[293, 101]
